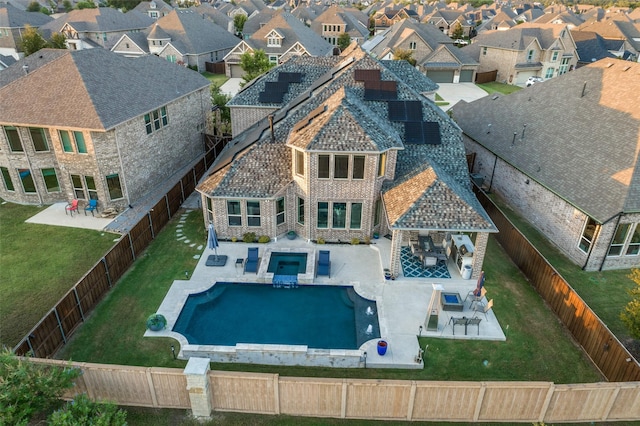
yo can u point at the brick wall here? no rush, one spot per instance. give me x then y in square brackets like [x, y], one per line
[242, 117]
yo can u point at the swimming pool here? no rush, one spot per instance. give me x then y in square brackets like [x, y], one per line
[282, 263]
[321, 317]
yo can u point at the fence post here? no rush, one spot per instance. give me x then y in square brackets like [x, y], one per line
[197, 370]
[166, 200]
[75, 293]
[153, 234]
[64, 338]
[106, 268]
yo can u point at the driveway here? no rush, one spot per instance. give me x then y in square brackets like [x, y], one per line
[455, 92]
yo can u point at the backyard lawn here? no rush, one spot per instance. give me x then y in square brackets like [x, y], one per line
[217, 79]
[537, 347]
[494, 87]
[39, 264]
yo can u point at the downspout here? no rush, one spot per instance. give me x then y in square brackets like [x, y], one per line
[604, 258]
[493, 171]
[123, 181]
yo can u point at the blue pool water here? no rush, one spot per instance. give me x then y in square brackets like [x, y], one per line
[287, 263]
[320, 317]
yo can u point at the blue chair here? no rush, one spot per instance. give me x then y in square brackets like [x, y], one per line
[324, 264]
[91, 207]
[251, 263]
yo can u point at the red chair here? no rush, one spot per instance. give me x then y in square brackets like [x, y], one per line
[73, 207]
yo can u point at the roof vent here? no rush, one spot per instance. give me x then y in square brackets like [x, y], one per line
[495, 97]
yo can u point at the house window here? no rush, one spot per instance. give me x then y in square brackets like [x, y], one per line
[51, 180]
[588, 233]
[13, 138]
[273, 41]
[280, 211]
[172, 58]
[155, 120]
[78, 188]
[339, 218]
[356, 216]
[273, 59]
[358, 167]
[66, 141]
[27, 180]
[549, 73]
[412, 45]
[341, 166]
[234, 214]
[300, 163]
[253, 213]
[39, 139]
[114, 187]
[91, 187]
[484, 51]
[6, 177]
[323, 215]
[376, 215]
[530, 55]
[634, 243]
[564, 66]
[323, 167]
[301, 211]
[615, 249]
[79, 140]
[126, 45]
[382, 164]
[554, 56]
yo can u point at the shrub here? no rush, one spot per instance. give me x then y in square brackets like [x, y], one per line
[234, 239]
[630, 316]
[355, 241]
[321, 240]
[83, 411]
[156, 322]
[249, 237]
[264, 239]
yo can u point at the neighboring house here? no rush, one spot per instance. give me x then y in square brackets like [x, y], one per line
[91, 124]
[183, 37]
[215, 16]
[564, 154]
[335, 21]
[13, 21]
[592, 47]
[568, 18]
[304, 13]
[6, 61]
[541, 50]
[447, 20]
[385, 18]
[99, 27]
[503, 20]
[618, 29]
[258, 21]
[340, 148]
[433, 51]
[154, 9]
[283, 37]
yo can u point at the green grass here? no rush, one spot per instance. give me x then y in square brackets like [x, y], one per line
[38, 265]
[537, 347]
[493, 87]
[218, 79]
[605, 292]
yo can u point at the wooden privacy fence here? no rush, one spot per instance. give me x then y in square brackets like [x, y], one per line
[486, 77]
[361, 398]
[600, 344]
[54, 329]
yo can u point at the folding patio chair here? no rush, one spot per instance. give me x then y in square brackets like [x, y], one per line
[485, 309]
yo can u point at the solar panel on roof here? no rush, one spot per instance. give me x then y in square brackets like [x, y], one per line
[413, 110]
[431, 132]
[425, 132]
[271, 97]
[413, 132]
[366, 75]
[396, 110]
[290, 77]
[276, 86]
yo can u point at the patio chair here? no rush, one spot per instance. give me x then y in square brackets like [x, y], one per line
[71, 207]
[324, 264]
[458, 321]
[474, 321]
[476, 296]
[485, 309]
[91, 207]
[251, 263]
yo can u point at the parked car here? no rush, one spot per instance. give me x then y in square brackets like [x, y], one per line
[460, 41]
[533, 80]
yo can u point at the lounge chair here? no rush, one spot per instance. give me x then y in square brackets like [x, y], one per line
[91, 207]
[251, 263]
[324, 264]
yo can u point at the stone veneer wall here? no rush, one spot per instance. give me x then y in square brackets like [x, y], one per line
[244, 117]
[561, 222]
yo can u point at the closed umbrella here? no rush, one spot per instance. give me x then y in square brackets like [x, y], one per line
[213, 239]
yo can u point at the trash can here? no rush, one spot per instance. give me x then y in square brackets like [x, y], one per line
[466, 272]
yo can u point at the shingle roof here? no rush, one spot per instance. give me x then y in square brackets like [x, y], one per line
[98, 81]
[580, 141]
[101, 19]
[12, 17]
[591, 46]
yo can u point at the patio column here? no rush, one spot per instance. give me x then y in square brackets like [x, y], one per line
[396, 246]
[197, 370]
[480, 249]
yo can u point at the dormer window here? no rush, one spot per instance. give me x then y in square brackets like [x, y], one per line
[273, 41]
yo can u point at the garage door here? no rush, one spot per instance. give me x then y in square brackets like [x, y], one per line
[441, 76]
[466, 76]
[236, 71]
[523, 76]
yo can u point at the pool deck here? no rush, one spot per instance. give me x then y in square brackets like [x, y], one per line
[402, 303]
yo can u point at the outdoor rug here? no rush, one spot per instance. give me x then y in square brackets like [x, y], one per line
[412, 268]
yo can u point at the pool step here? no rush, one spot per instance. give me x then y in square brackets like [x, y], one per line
[285, 281]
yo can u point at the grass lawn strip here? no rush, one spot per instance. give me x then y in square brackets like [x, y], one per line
[537, 347]
[39, 264]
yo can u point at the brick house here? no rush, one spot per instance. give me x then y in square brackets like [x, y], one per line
[527, 50]
[13, 21]
[328, 151]
[336, 20]
[92, 124]
[564, 154]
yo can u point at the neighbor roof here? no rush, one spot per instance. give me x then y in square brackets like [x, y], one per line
[12, 17]
[97, 82]
[578, 135]
[100, 19]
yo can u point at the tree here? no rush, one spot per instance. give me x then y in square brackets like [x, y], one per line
[58, 41]
[34, 6]
[254, 64]
[67, 5]
[27, 388]
[404, 54]
[220, 100]
[238, 23]
[631, 314]
[457, 32]
[86, 5]
[344, 40]
[31, 41]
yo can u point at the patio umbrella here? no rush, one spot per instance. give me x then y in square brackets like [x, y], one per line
[478, 289]
[213, 239]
